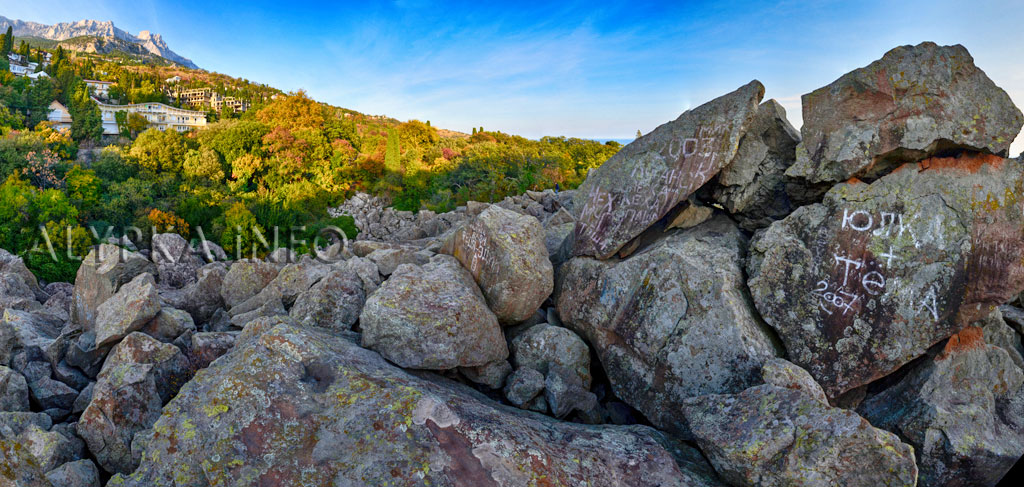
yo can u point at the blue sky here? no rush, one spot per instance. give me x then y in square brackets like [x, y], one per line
[546, 68]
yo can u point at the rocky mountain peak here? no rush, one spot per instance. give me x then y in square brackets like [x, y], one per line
[148, 41]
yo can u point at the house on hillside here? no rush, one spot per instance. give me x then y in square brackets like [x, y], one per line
[206, 97]
[100, 89]
[173, 79]
[20, 65]
[59, 117]
[160, 116]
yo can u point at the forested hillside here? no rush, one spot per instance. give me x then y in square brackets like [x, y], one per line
[280, 164]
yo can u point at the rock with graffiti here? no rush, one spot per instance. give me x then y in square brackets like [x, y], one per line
[875, 274]
[649, 177]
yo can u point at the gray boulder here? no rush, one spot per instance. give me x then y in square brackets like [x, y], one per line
[875, 274]
[670, 322]
[523, 385]
[432, 317]
[775, 435]
[211, 252]
[245, 279]
[171, 369]
[646, 179]
[491, 375]
[962, 410]
[133, 306]
[347, 417]
[388, 260]
[169, 324]
[506, 254]
[915, 102]
[51, 449]
[176, 264]
[206, 347]
[544, 345]
[125, 401]
[565, 392]
[13, 390]
[334, 302]
[366, 270]
[103, 271]
[754, 187]
[80, 473]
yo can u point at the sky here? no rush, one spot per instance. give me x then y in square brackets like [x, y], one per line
[598, 70]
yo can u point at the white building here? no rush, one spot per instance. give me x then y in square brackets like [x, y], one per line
[173, 79]
[160, 116]
[20, 70]
[59, 116]
[100, 89]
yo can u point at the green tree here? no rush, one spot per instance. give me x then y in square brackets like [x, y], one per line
[240, 230]
[136, 124]
[121, 119]
[392, 155]
[8, 44]
[86, 119]
[160, 151]
[83, 188]
[203, 165]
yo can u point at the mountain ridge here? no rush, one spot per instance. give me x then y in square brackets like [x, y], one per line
[147, 40]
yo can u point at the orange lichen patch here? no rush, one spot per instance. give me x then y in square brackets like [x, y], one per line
[854, 180]
[968, 339]
[968, 162]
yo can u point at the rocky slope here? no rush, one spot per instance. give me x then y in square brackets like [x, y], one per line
[145, 41]
[728, 302]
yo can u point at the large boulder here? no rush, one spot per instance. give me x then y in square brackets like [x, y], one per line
[80, 473]
[334, 302]
[873, 276]
[19, 288]
[103, 271]
[432, 317]
[18, 468]
[176, 264]
[505, 253]
[346, 417]
[754, 187]
[131, 308]
[670, 322]
[543, 346]
[646, 179]
[915, 102]
[13, 390]
[171, 369]
[962, 410]
[125, 401]
[201, 299]
[785, 433]
[245, 279]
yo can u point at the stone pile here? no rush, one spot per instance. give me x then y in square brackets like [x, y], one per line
[727, 301]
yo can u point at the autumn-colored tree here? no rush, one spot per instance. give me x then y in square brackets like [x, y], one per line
[167, 222]
[293, 111]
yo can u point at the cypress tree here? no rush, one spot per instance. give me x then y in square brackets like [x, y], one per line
[8, 44]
